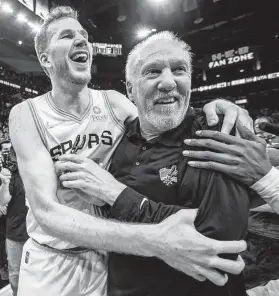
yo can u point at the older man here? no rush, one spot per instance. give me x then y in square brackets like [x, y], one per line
[149, 162]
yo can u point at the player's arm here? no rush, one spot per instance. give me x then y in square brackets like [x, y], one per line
[5, 195]
[59, 220]
[124, 110]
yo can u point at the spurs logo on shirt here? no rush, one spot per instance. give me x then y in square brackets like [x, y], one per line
[168, 176]
[94, 135]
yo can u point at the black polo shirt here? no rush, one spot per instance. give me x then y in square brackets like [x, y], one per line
[160, 183]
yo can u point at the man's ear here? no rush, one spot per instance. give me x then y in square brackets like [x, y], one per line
[129, 89]
[44, 60]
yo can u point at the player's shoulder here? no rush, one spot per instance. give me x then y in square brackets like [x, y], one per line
[116, 98]
[123, 108]
[19, 110]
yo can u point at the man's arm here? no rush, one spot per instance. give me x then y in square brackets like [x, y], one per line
[5, 195]
[268, 189]
[132, 206]
[232, 114]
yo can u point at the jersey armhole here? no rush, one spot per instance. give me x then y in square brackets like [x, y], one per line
[38, 122]
[112, 113]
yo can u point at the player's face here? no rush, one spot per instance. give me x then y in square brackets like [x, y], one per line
[70, 53]
[162, 86]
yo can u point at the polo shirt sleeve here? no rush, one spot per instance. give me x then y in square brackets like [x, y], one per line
[131, 206]
[223, 202]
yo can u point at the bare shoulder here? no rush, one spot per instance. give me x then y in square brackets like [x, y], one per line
[123, 108]
[23, 131]
[19, 117]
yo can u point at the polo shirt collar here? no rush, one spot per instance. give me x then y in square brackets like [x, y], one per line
[173, 137]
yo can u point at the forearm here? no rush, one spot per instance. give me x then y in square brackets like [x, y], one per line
[5, 196]
[132, 206]
[98, 233]
[268, 189]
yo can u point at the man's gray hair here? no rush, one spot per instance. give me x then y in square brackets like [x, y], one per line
[134, 57]
[42, 37]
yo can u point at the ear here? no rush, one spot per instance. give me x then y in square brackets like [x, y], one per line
[44, 60]
[129, 89]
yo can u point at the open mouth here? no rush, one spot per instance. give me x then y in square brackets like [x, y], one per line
[79, 57]
[166, 101]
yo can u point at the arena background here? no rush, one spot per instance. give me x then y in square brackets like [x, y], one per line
[235, 45]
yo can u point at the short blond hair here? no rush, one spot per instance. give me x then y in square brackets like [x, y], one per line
[42, 37]
[133, 57]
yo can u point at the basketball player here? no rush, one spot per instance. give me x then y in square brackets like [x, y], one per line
[59, 259]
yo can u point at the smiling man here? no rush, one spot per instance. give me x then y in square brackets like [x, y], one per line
[66, 254]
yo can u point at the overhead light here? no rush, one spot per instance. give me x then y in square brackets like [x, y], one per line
[142, 33]
[157, 1]
[35, 27]
[198, 20]
[242, 101]
[121, 18]
[7, 8]
[218, 75]
[241, 70]
[22, 18]
[153, 30]
[19, 42]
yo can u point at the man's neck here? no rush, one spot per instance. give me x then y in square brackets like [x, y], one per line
[149, 134]
[73, 100]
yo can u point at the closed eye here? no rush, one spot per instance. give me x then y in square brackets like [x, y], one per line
[66, 36]
[181, 69]
[153, 72]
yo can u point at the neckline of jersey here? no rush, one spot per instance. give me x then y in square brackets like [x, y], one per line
[67, 114]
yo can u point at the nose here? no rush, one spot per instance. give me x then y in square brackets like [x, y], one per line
[167, 81]
[81, 41]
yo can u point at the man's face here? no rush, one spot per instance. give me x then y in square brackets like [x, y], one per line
[6, 147]
[161, 86]
[69, 52]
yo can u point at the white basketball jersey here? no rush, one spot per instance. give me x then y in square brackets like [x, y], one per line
[95, 135]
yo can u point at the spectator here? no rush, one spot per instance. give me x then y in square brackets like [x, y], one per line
[12, 193]
[5, 147]
[3, 256]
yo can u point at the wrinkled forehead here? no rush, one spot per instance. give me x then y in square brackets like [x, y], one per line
[162, 50]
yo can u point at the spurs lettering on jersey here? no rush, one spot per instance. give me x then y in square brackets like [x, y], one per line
[88, 141]
[94, 135]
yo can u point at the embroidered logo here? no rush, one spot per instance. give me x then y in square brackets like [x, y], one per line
[97, 110]
[168, 176]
